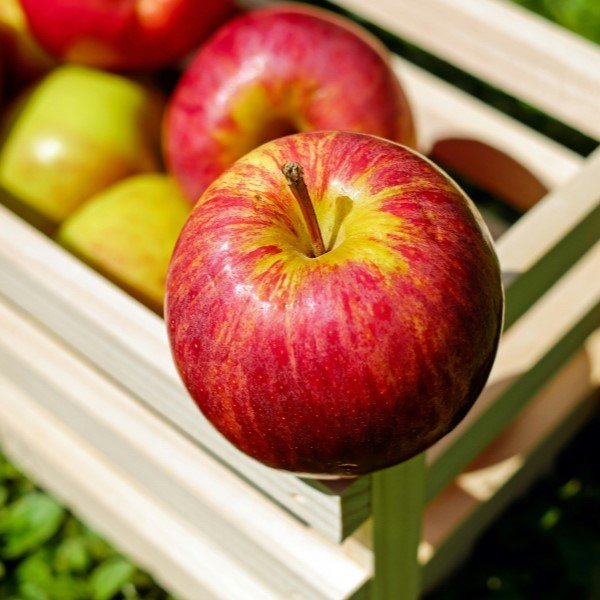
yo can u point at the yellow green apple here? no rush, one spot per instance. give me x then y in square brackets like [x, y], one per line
[128, 231]
[75, 133]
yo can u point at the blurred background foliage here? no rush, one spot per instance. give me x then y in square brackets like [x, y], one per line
[547, 545]
[47, 554]
[581, 16]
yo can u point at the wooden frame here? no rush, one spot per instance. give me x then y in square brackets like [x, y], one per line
[87, 367]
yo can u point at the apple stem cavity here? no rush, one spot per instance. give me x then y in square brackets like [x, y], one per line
[294, 176]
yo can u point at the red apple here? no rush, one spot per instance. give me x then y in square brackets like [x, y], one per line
[123, 34]
[344, 362]
[276, 71]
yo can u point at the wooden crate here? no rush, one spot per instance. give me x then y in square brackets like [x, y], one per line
[92, 407]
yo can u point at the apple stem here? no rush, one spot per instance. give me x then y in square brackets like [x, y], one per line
[294, 175]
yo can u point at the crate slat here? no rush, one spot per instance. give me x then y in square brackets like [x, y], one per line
[443, 112]
[54, 457]
[454, 519]
[398, 502]
[505, 45]
[174, 483]
[129, 343]
[546, 241]
[544, 419]
[509, 464]
[539, 343]
[281, 556]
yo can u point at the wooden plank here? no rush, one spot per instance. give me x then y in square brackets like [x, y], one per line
[129, 343]
[546, 241]
[444, 112]
[260, 539]
[538, 344]
[593, 350]
[398, 498]
[505, 45]
[456, 518]
[155, 539]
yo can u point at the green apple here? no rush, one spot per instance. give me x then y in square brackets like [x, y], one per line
[75, 133]
[128, 231]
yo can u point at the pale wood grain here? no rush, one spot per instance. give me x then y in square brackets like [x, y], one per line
[505, 45]
[537, 232]
[454, 519]
[504, 470]
[542, 339]
[443, 111]
[62, 463]
[129, 343]
[118, 455]
[261, 540]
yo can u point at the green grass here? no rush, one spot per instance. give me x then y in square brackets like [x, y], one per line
[48, 554]
[546, 545]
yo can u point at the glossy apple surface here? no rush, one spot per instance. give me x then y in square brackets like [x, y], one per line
[123, 34]
[75, 133]
[272, 72]
[128, 232]
[354, 360]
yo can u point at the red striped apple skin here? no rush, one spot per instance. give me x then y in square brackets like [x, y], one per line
[276, 71]
[357, 359]
[124, 34]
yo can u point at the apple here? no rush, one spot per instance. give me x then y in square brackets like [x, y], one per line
[75, 133]
[334, 303]
[276, 71]
[24, 60]
[128, 232]
[123, 34]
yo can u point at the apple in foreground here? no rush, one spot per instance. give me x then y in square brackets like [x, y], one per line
[76, 132]
[334, 303]
[123, 34]
[275, 71]
[128, 232]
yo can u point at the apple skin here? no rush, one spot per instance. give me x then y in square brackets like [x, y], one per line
[276, 71]
[123, 34]
[76, 132]
[352, 361]
[24, 60]
[128, 232]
